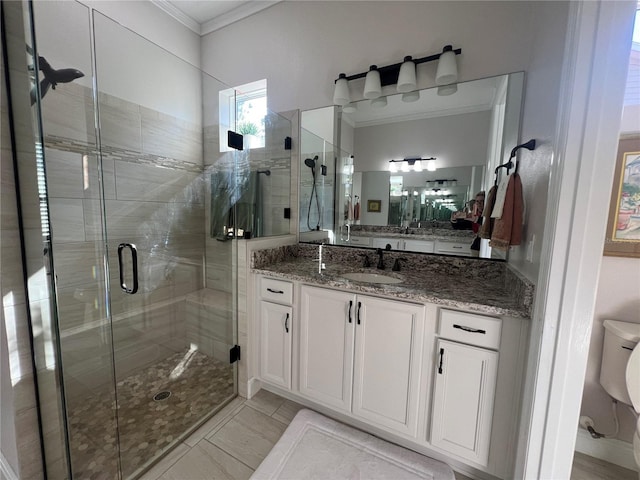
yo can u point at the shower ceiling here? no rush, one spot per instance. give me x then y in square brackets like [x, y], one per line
[207, 16]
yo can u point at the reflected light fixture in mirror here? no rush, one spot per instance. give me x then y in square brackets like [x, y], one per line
[413, 164]
[444, 90]
[350, 108]
[411, 96]
[403, 74]
[379, 102]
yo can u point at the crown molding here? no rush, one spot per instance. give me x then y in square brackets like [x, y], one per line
[243, 11]
[178, 14]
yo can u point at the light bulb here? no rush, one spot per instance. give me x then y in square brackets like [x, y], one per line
[417, 166]
[379, 102]
[447, 71]
[393, 167]
[372, 86]
[407, 76]
[341, 91]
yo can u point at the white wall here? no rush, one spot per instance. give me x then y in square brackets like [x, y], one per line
[301, 47]
[618, 298]
[375, 188]
[455, 141]
[542, 90]
[310, 43]
[147, 20]
[128, 66]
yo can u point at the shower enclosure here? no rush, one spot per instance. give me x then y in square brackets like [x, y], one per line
[132, 245]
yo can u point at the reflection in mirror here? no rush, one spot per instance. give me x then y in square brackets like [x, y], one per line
[402, 203]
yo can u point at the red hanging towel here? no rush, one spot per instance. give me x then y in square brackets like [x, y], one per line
[507, 229]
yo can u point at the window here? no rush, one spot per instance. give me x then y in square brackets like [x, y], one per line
[243, 109]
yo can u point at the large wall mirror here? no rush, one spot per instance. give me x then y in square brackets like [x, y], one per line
[352, 194]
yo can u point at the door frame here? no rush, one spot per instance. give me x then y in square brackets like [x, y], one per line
[588, 125]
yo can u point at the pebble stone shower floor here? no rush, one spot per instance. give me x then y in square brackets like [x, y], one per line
[146, 427]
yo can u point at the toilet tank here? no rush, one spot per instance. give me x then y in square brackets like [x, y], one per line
[620, 338]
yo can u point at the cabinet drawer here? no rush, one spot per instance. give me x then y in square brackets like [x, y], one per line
[470, 329]
[456, 248]
[279, 291]
[363, 241]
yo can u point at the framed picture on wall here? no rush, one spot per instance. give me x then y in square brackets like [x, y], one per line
[623, 227]
[374, 206]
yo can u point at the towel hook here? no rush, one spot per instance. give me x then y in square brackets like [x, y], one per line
[530, 145]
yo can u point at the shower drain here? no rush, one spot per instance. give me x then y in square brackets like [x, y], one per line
[158, 397]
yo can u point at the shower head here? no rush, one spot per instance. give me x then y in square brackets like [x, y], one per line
[311, 162]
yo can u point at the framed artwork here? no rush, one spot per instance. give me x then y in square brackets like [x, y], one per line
[623, 227]
[374, 206]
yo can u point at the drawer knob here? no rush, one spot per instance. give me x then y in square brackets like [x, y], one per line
[469, 329]
[274, 291]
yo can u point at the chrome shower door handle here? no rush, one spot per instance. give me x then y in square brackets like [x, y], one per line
[134, 262]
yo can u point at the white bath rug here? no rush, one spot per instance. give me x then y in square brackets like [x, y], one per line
[315, 447]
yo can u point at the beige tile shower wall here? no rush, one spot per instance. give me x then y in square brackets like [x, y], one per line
[151, 171]
[208, 320]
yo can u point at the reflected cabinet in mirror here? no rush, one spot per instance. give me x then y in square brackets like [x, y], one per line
[408, 175]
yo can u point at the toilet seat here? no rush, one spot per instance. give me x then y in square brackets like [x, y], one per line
[632, 376]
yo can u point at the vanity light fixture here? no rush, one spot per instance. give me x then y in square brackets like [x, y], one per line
[403, 74]
[416, 164]
[444, 182]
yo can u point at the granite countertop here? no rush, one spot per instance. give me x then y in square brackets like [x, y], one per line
[481, 292]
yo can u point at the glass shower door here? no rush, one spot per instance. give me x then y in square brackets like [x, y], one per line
[172, 292]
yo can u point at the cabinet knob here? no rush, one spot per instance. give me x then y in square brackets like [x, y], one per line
[440, 365]
[286, 323]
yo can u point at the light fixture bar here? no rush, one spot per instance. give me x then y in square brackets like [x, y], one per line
[389, 73]
[408, 164]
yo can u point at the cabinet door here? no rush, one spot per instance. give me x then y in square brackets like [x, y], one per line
[275, 343]
[387, 362]
[327, 320]
[465, 382]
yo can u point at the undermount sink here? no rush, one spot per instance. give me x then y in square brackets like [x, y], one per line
[370, 277]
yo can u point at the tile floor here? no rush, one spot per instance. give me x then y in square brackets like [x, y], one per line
[233, 443]
[146, 427]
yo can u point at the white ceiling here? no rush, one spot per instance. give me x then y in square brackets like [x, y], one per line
[206, 16]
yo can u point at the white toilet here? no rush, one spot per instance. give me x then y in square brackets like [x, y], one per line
[620, 373]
